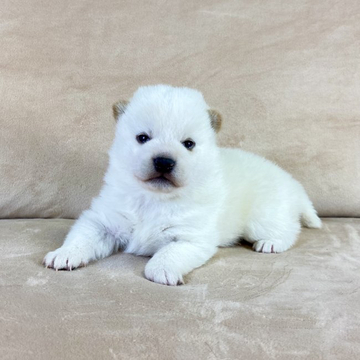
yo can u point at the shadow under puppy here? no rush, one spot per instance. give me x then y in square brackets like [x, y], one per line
[171, 193]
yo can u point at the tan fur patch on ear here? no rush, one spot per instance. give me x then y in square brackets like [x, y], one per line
[119, 108]
[215, 119]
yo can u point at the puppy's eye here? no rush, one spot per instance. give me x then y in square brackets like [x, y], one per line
[142, 138]
[189, 144]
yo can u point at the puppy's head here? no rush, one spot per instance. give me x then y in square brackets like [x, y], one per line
[165, 138]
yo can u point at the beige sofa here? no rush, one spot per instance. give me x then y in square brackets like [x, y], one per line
[285, 76]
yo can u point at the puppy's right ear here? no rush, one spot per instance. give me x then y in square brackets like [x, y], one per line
[119, 108]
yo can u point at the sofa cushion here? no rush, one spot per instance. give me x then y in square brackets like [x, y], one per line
[301, 304]
[284, 76]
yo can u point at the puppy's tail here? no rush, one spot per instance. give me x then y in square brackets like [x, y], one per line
[309, 217]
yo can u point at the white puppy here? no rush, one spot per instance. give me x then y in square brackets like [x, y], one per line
[172, 194]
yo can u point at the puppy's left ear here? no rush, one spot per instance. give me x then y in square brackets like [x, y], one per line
[215, 120]
[119, 108]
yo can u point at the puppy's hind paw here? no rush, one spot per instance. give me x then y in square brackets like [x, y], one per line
[162, 275]
[268, 246]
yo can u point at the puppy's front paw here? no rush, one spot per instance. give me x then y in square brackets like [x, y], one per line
[66, 258]
[162, 274]
[267, 246]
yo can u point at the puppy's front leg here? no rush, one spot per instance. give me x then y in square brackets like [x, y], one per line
[88, 240]
[176, 259]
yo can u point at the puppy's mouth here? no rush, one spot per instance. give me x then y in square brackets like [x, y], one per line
[162, 181]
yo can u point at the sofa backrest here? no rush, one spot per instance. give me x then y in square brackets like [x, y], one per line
[285, 77]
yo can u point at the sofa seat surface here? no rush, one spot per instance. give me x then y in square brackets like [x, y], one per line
[301, 304]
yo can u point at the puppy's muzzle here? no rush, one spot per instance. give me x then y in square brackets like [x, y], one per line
[164, 165]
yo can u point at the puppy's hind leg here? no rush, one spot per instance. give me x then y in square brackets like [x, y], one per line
[273, 236]
[86, 241]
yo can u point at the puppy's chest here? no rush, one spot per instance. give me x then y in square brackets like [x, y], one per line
[149, 233]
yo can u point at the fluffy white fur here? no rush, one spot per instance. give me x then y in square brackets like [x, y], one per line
[215, 196]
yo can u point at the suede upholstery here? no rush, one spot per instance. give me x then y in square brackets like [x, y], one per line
[286, 78]
[302, 304]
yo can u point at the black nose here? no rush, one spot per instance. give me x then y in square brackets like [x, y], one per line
[164, 165]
